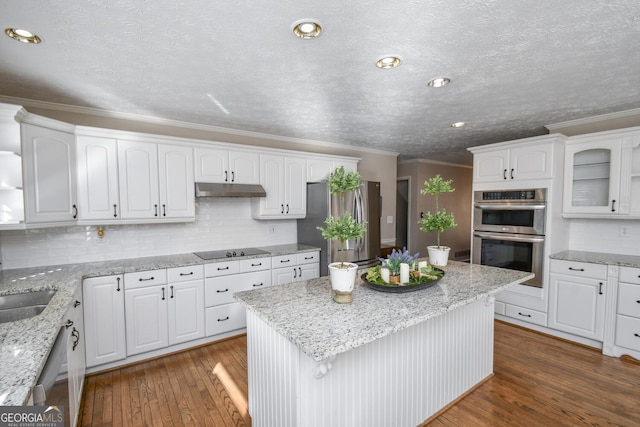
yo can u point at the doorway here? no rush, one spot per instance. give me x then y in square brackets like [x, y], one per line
[402, 212]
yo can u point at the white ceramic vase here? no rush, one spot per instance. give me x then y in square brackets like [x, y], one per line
[343, 280]
[438, 255]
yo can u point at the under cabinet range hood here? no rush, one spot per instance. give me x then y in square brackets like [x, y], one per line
[209, 189]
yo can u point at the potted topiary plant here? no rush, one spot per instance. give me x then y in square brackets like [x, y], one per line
[341, 229]
[438, 221]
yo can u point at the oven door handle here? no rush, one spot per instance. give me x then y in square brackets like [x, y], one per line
[511, 238]
[509, 207]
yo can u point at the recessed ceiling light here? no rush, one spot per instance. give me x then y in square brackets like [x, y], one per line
[388, 62]
[23, 36]
[307, 29]
[458, 124]
[439, 82]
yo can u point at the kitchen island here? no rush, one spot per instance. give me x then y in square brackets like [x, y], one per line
[385, 359]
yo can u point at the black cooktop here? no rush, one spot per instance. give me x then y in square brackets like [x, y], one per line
[230, 253]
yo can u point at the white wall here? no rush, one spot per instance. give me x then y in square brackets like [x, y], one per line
[604, 236]
[221, 223]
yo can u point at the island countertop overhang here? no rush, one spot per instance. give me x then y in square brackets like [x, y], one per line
[305, 314]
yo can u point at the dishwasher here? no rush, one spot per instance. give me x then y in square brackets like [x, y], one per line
[47, 391]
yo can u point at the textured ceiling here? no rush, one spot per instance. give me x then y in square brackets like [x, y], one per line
[515, 66]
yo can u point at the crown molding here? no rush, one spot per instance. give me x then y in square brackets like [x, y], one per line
[185, 125]
[557, 127]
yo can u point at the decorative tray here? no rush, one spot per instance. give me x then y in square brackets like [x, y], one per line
[392, 287]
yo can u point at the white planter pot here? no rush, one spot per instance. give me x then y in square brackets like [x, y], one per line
[438, 255]
[343, 280]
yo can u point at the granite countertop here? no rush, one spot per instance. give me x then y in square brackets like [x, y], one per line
[25, 344]
[598, 258]
[306, 315]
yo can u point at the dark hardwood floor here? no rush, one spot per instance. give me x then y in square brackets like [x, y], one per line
[538, 381]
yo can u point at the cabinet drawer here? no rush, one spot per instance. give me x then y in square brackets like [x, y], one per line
[284, 261]
[531, 316]
[628, 332]
[255, 264]
[499, 308]
[629, 300]
[225, 318]
[580, 269]
[220, 290]
[142, 279]
[181, 274]
[221, 268]
[308, 257]
[630, 275]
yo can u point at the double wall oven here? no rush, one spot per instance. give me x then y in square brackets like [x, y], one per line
[509, 230]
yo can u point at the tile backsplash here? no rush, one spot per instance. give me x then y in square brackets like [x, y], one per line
[220, 224]
[609, 236]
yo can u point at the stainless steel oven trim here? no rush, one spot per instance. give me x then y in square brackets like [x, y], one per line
[537, 228]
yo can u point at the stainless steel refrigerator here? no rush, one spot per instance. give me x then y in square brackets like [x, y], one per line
[364, 204]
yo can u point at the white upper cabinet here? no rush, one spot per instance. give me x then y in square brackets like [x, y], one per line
[11, 198]
[320, 168]
[98, 192]
[49, 172]
[156, 181]
[223, 166]
[524, 161]
[602, 175]
[284, 180]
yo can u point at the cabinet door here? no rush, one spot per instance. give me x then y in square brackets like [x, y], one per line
[295, 187]
[272, 179]
[176, 185]
[244, 167]
[535, 162]
[104, 316]
[138, 177]
[76, 357]
[98, 195]
[212, 165]
[280, 276]
[319, 169]
[49, 170]
[592, 177]
[491, 167]
[308, 271]
[146, 319]
[576, 305]
[186, 311]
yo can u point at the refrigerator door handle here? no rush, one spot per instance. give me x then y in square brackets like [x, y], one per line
[358, 215]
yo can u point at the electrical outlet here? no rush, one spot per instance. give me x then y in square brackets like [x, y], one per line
[623, 231]
[390, 219]
[272, 229]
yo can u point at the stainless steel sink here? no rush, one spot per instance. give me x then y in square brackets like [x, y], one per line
[23, 306]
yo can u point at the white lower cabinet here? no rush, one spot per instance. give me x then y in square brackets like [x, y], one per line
[104, 316]
[223, 314]
[76, 364]
[295, 267]
[577, 298]
[628, 313]
[159, 313]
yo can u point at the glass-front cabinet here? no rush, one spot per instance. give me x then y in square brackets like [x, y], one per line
[602, 175]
